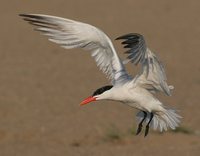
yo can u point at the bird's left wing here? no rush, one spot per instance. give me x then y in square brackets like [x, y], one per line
[73, 34]
[152, 75]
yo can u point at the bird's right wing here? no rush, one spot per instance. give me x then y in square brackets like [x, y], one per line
[73, 34]
[152, 75]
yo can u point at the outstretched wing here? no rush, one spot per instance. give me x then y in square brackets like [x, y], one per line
[152, 75]
[73, 34]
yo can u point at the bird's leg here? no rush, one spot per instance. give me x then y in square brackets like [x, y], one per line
[147, 126]
[140, 124]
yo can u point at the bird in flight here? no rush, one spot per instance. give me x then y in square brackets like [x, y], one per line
[136, 91]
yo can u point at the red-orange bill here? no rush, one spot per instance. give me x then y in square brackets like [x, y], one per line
[88, 100]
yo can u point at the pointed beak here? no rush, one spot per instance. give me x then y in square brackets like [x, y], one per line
[88, 100]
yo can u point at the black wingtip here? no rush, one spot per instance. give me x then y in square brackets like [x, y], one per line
[31, 16]
[24, 15]
[124, 36]
[129, 35]
[21, 14]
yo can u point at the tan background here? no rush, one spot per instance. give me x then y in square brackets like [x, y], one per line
[41, 84]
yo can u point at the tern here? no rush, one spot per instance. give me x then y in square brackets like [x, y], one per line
[136, 91]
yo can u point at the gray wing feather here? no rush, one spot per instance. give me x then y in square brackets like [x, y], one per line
[73, 34]
[152, 75]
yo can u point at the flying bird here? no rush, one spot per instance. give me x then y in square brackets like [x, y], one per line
[136, 91]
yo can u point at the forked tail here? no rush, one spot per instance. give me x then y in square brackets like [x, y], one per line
[162, 120]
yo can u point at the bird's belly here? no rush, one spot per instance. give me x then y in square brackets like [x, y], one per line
[140, 99]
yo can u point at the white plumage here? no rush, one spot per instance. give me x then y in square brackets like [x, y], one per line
[135, 91]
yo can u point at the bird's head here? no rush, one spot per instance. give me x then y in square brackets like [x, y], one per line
[99, 94]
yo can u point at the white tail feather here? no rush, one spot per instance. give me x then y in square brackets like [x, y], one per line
[162, 120]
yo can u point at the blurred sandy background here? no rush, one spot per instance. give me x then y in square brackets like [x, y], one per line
[41, 84]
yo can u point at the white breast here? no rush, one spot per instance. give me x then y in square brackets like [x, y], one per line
[136, 97]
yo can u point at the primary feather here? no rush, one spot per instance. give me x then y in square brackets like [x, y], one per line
[73, 34]
[152, 75]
